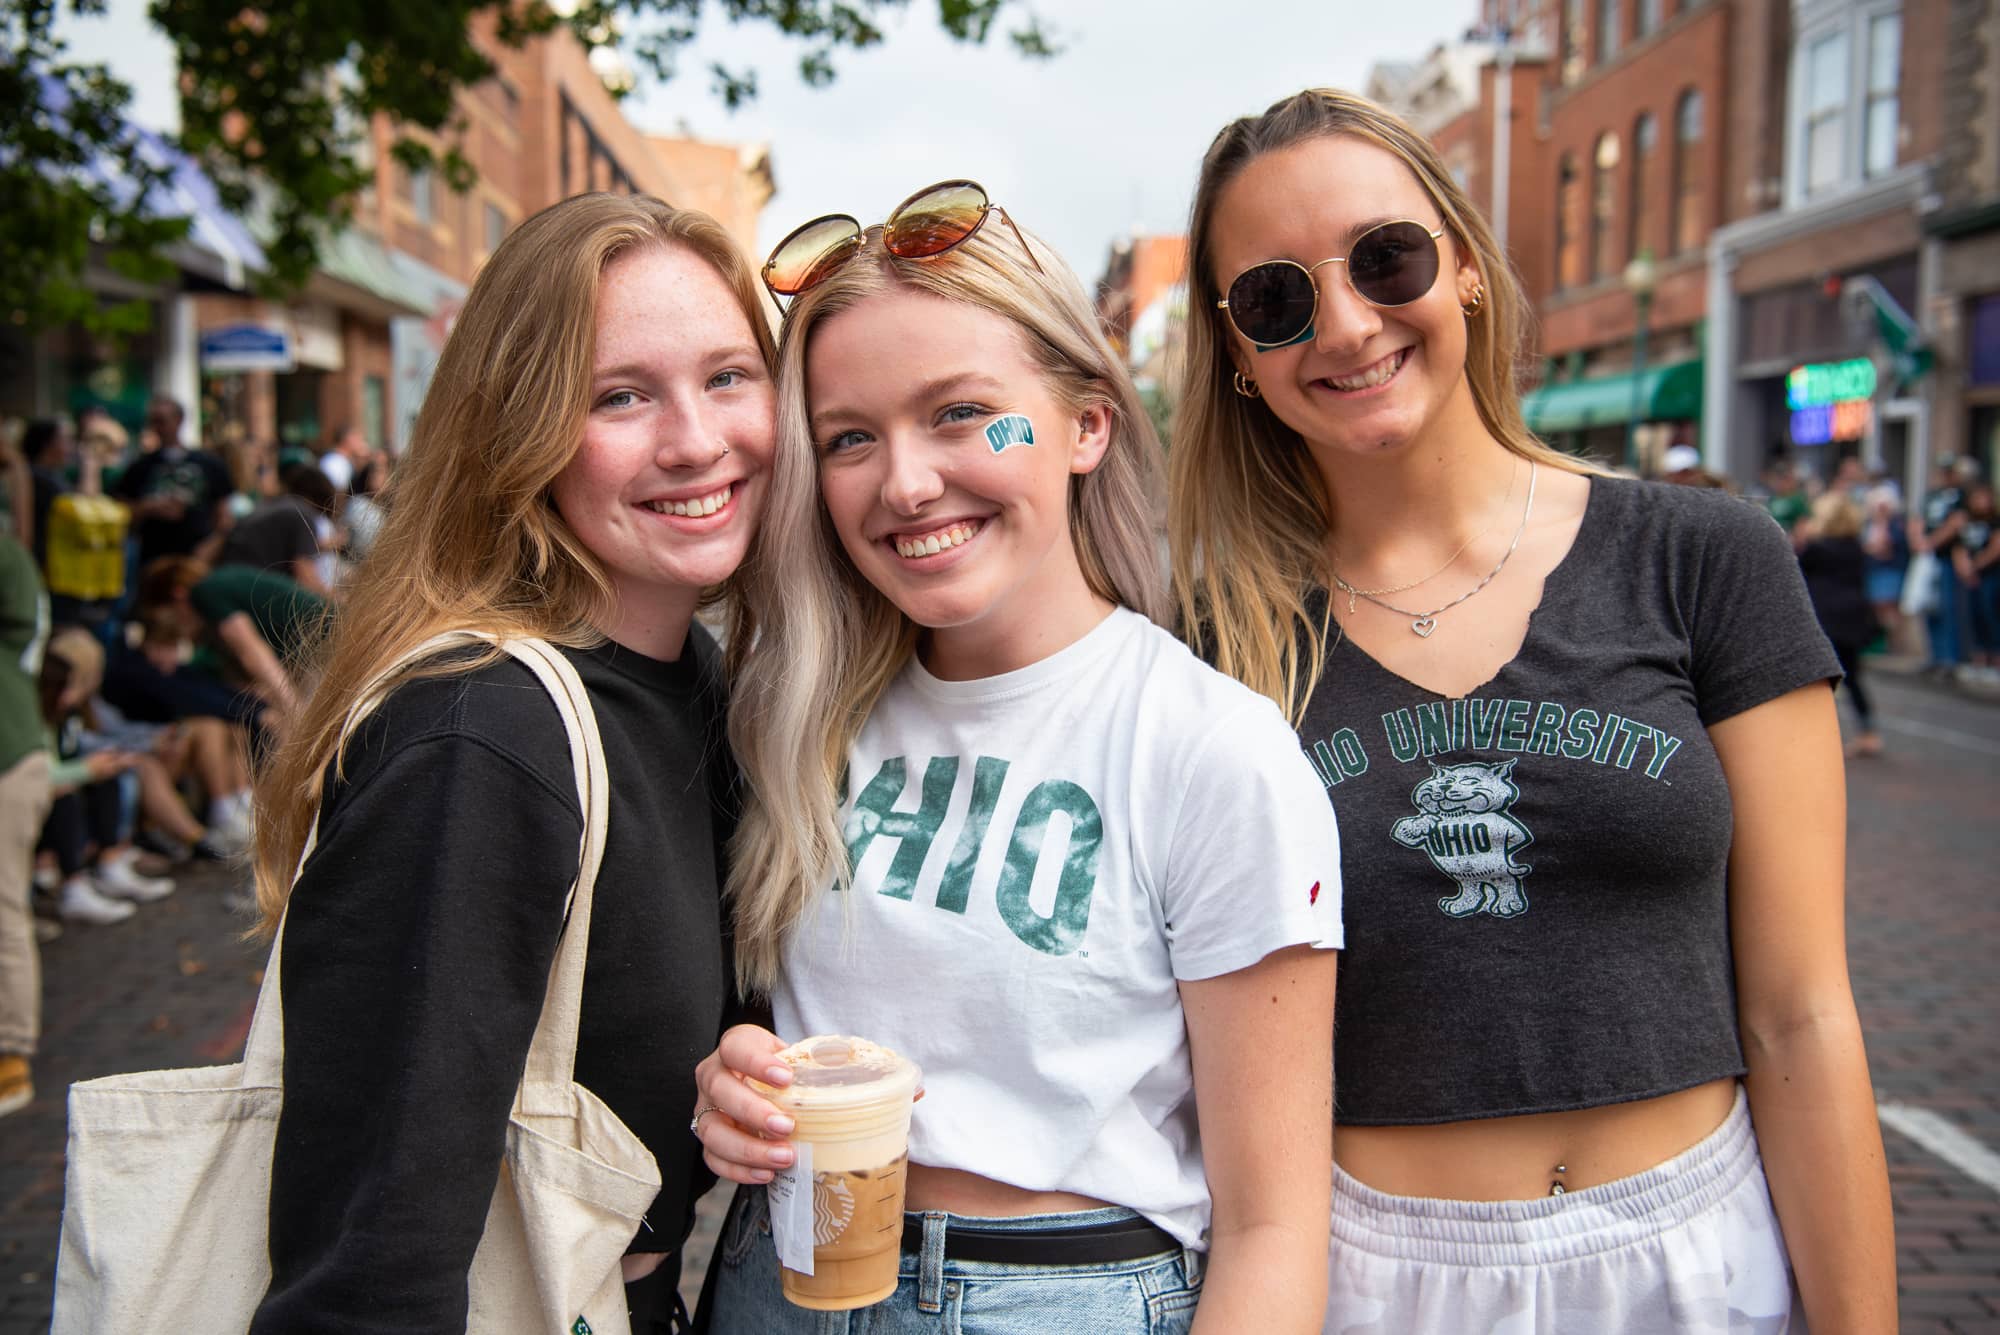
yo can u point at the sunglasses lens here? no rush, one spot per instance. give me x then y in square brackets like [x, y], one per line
[1272, 302]
[935, 221]
[1394, 264]
[804, 259]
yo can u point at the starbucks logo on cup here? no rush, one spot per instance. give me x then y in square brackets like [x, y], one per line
[833, 1208]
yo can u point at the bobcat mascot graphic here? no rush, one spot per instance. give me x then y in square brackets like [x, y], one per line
[1462, 822]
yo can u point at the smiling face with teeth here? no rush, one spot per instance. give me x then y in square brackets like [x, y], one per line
[1370, 378]
[971, 543]
[668, 483]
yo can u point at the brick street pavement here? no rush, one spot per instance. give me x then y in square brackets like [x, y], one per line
[1923, 943]
[173, 987]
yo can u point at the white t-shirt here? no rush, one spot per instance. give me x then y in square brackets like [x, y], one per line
[1038, 858]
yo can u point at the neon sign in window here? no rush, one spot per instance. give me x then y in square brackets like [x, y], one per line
[1831, 400]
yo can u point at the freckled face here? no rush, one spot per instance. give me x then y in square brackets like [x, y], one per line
[901, 390]
[677, 377]
[1370, 378]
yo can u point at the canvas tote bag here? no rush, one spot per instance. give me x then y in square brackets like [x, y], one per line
[167, 1192]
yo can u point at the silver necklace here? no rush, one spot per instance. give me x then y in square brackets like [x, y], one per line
[1352, 592]
[1423, 623]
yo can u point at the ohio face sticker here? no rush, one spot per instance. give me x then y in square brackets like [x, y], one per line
[1013, 429]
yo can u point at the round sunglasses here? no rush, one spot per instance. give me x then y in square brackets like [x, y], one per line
[936, 219]
[1391, 264]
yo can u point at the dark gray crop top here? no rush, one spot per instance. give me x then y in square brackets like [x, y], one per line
[1536, 875]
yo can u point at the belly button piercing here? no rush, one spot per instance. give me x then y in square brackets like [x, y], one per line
[1557, 1188]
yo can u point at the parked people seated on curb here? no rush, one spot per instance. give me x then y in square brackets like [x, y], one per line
[86, 827]
[208, 753]
[283, 534]
[24, 800]
[247, 625]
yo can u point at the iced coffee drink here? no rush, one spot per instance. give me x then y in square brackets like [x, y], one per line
[851, 1100]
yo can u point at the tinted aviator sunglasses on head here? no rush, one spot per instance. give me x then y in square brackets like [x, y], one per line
[936, 219]
[1390, 264]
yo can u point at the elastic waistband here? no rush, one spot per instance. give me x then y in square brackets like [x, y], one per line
[1550, 1228]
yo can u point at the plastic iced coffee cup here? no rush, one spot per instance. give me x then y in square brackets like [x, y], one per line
[851, 1100]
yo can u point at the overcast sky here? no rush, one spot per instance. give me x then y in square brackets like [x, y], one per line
[1101, 141]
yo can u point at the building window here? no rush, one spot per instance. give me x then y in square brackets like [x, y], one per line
[421, 185]
[1569, 224]
[1642, 230]
[1825, 143]
[1845, 105]
[1687, 203]
[510, 99]
[1575, 42]
[1603, 203]
[1646, 18]
[1607, 29]
[1878, 124]
[496, 228]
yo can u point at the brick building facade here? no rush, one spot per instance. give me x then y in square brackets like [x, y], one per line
[368, 331]
[1965, 233]
[1773, 163]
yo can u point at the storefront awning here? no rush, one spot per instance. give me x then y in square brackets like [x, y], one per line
[1665, 394]
[357, 273]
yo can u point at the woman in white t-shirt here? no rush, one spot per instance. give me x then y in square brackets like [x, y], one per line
[1004, 823]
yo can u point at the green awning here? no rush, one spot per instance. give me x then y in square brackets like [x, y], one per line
[1665, 394]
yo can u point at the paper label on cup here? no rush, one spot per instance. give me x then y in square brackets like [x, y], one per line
[791, 1201]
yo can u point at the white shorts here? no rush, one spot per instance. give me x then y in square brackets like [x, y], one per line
[1691, 1246]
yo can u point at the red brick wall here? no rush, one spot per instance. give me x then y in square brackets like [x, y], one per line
[1690, 51]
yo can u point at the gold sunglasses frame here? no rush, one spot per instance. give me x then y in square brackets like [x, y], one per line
[854, 242]
[1312, 271]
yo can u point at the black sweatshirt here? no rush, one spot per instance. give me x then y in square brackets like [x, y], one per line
[417, 951]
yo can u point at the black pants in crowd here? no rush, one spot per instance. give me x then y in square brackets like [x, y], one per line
[77, 820]
[1850, 664]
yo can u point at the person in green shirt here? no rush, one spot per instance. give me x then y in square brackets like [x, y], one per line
[1788, 502]
[254, 623]
[24, 803]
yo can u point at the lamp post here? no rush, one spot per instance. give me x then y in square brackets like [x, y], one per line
[1640, 276]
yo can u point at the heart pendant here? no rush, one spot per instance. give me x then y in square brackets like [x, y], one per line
[1423, 626]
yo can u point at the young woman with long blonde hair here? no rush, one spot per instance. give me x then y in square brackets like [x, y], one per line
[1588, 773]
[589, 465]
[1005, 824]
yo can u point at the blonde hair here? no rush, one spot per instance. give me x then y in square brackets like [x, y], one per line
[84, 654]
[1247, 511]
[1835, 515]
[481, 547]
[826, 642]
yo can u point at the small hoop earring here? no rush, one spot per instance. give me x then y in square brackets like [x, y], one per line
[1247, 387]
[1478, 302]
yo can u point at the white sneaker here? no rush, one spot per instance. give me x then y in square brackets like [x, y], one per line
[81, 902]
[118, 878]
[229, 827]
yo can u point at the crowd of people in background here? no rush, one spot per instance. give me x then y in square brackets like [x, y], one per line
[1919, 579]
[152, 591]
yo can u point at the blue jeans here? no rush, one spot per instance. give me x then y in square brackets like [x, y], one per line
[1155, 1295]
[1945, 622]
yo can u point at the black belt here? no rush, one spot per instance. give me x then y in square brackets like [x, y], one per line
[1119, 1240]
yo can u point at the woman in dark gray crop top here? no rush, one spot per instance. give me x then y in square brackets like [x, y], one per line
[1578, 732]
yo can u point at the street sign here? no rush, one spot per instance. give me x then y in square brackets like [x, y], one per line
[247, 347]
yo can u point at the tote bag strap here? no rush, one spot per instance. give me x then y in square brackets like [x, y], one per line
[555, 1036]
[545, 1083]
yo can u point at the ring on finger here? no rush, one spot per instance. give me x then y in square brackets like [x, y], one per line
[701, 1112]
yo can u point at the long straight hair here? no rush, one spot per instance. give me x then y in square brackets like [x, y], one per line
[1247, 511]
[824, 643]
[475, 543]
